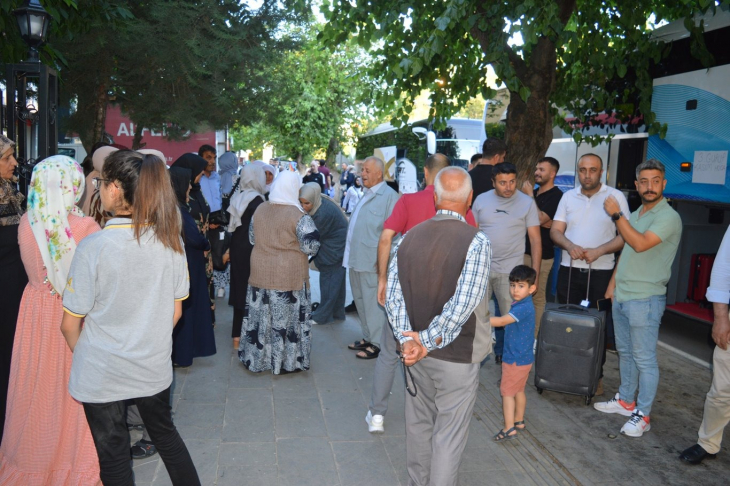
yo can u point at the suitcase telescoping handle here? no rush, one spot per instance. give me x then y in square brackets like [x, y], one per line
[588, 286]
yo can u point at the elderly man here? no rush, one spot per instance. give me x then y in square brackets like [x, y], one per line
[587, 235]
[409, 211]
[507, 216]
[361, 255]
[433, 318]
[638, 289]
[717, 402]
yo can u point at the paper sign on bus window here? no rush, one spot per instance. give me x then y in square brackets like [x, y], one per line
[710, 167]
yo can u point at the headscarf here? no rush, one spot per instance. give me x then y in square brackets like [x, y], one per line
[195, 163]
[285, 190]
[56, 186]
[268, 168]
[180, 179]
[312, 192]
[252, 184]
[97, 160]
[11, 200]
[227, 168]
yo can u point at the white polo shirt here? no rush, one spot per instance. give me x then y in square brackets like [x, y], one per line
[588, 224]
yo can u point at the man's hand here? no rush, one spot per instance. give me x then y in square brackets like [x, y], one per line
[610, 289]
[381, 292]
[590, 255]
[611, 206]
[721, 330]
[576, 252]
[213, 226]
[418, 351]
[528, 188]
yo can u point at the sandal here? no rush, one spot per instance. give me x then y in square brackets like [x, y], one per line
[503, 435]
[369, 354]
[517, 425]
[142, 449]
[359, 345]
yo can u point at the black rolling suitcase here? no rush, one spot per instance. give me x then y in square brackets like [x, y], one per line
[570, 347]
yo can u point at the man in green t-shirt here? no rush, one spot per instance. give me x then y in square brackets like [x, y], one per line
[638, 290]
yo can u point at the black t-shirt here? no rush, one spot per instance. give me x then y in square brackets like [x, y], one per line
[481, 180]
[318, 178]
[547, 202]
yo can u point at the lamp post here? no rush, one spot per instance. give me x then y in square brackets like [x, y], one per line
[33, 129]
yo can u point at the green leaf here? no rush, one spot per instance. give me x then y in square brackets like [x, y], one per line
[524, 93]
[621, 70]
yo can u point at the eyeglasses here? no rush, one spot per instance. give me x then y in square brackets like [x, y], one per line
[97, 182]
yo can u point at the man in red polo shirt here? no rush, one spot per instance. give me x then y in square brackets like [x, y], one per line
[410, 210]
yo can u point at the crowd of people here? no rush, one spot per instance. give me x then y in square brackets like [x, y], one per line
[113, 270]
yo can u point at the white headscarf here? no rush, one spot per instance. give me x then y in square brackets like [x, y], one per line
[56, 186]
[285, 190]
[268, 168]
[250, 186]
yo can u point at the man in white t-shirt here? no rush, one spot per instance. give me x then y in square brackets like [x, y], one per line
[506, 216]
[587, 235]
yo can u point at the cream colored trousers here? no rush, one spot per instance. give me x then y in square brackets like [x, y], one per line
[542, 280]
[717, 403]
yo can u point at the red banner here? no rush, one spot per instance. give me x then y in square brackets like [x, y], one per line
[121, 129]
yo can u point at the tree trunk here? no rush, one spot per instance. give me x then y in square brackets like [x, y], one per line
[100, 104]
[333, 149]
[137, 141]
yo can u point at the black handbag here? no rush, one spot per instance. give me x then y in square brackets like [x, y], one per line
[220, 242]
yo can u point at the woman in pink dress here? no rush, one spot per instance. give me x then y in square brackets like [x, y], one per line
[47, 439]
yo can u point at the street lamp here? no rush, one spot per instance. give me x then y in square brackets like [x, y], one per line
[34, 130]
[33, 22]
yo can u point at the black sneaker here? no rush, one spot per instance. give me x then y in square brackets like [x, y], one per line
[142, 449]
[498, 359]
[351, 308]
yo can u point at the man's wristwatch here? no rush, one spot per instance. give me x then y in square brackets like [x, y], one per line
[616, 216]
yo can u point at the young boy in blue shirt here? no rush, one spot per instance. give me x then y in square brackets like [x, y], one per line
[518, 356]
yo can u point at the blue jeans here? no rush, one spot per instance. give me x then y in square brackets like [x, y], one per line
[636, 324]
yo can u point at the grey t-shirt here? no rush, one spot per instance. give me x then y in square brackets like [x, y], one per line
[126, 291]
[505, 221]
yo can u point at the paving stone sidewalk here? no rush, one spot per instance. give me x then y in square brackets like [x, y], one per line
[309, 429]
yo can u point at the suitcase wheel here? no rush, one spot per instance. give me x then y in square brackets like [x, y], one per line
[539, 391]
[588, 401]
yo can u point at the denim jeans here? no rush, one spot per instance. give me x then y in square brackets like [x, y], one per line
[636, 324]
[108, 425]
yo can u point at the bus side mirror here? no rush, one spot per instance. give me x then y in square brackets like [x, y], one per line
[431, 142]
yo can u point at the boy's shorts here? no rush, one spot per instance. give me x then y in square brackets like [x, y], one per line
[514, 379]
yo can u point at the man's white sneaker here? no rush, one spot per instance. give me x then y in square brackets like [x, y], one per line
[637, 425]
[375, 423]
[615, 405]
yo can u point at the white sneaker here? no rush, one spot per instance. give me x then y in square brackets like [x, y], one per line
[375, 423]
[637, 425]
[615, 405]
[314, 323]
[221, 292]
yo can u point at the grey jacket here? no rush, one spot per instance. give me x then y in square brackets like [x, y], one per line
[368, 226]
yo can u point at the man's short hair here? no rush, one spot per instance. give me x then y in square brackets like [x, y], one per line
[592, 155]
[378, 162]
[475, 158]
[552, 161]
[436, 162]
[492, 147]
[205, 148]
[503, 168]
[651, 164]
[457, 194]
[523, 273]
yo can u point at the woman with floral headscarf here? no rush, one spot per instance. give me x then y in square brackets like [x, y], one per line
[13, 278]
[47, 438]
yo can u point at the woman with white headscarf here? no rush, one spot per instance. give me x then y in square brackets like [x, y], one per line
[39, 405]
[276, 333]
[252, 185]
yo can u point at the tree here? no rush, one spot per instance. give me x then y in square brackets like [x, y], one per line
[310, 101]
[587, 56]
[181, 65]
